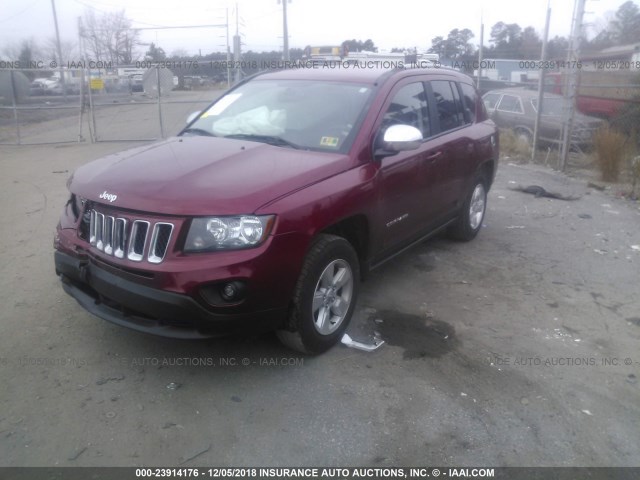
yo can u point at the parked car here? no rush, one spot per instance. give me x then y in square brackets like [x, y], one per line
[37, 88]
[136, 83]
[268, 208]
[515, 108]
[48, 87]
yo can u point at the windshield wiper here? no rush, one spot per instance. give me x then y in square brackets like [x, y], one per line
[198, 131]
[270, 139]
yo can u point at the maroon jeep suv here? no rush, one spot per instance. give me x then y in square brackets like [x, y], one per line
[266, 211]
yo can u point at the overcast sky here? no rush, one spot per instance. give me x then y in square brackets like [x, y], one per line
[397, 23]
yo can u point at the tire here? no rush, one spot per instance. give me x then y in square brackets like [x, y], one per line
[524, 136]
[469, 221]
[324, 298]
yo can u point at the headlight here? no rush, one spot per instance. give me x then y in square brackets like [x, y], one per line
[76, 203]
[227, 233]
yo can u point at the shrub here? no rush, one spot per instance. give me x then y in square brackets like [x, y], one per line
[634, 167]
[610, 147]
[513, 145]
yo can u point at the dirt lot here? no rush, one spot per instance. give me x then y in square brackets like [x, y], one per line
[517, 349]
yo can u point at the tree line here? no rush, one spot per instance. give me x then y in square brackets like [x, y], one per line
[110, 38]
[510, 40]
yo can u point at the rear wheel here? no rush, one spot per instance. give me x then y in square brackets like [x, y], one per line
[471, 216]
[524, 136]
[325, 296]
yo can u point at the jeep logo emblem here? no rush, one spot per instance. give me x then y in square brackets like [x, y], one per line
[108, 196]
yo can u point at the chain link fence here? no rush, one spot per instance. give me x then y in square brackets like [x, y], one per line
[38, 107]
[130, 103]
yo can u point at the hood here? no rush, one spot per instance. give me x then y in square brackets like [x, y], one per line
[202, 176]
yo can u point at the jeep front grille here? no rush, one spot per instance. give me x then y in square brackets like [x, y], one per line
[110, 235]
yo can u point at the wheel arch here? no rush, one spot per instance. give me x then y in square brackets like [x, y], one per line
[488, 170]
[522, 128]
[355, 230]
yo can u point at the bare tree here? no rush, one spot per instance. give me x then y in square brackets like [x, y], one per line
[22, 50]
[110, 37]
[50, 50]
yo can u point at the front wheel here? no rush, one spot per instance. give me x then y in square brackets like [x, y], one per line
[471, 216]
[324, 298]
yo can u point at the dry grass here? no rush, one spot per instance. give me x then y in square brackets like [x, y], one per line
[610, 147]
[634, 169]
[513, 146]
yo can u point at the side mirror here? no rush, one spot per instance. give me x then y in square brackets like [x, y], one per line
[192, 117]
[399, 138]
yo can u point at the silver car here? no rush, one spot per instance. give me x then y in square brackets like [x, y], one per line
[516, 108]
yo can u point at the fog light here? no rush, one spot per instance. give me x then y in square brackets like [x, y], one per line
[232, 291]
[224, 294]
[229, 291]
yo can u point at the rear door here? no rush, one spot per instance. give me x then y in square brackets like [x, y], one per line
[453, 141]
[509, 112]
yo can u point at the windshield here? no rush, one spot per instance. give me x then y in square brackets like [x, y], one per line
[304, 114]
[551, 106]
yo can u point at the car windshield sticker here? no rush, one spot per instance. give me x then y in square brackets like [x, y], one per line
[222, 104]
[329, 141]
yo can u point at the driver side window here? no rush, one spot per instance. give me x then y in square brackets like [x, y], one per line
[409, 107]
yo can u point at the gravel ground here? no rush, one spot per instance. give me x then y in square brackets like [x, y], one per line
[517, 349]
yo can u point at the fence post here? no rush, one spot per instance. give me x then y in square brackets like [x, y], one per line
[14, 98]
[94, 134]
[80, 139]
[159, 102]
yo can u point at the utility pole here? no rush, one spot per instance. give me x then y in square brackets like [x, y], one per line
[80, 34]
[228, 54]
[572, 85]
[543, 57]
[93, 133]
[285, 32]
[59, 49]
[480, 52]
[236, 48]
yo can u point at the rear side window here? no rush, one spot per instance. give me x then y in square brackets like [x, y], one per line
[448, 104]
[469, 99]
[491, 100]
[510, 103]
[409, 107]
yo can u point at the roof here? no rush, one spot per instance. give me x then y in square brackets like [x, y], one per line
[349, 72]
[621, 49]
[618, 52]
[523, 92]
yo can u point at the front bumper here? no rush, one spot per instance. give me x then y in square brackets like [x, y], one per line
[150, 310]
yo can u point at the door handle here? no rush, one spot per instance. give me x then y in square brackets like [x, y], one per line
[434, 156]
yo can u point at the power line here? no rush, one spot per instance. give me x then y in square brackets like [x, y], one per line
[91, 7]
[20, 12]
[182, 26]
[127, 7]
